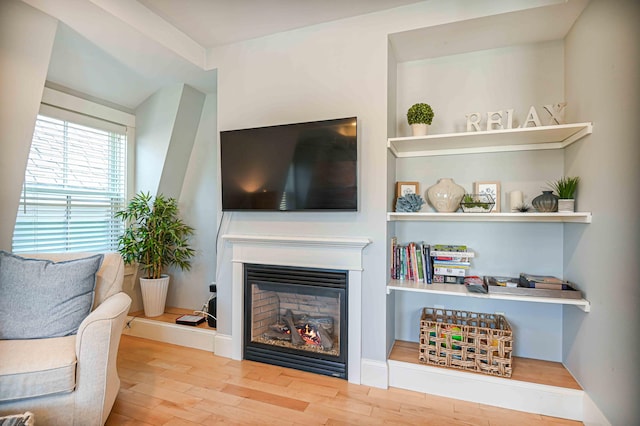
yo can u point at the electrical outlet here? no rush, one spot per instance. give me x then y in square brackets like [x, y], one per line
[213, 288]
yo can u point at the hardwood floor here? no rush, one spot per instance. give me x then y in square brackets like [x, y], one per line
[170, 385]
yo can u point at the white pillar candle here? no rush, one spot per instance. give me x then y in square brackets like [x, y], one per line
[515, 200]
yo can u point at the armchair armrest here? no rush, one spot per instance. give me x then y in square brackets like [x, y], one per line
[96, 351]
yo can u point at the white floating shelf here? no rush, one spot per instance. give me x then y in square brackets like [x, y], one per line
[461, 290]
[577, 217]
[506, 140]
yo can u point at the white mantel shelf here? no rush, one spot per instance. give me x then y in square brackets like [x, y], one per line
[505, 140]
[577, 217]
[461, 290]
[301, 241]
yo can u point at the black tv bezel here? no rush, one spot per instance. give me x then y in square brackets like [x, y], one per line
[309, 210]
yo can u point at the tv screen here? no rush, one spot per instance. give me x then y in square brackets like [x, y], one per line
[292, 167]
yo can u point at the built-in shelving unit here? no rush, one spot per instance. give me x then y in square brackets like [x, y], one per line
[577, 217]
[460, 290]
[505, 140]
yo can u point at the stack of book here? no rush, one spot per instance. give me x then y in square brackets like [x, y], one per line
[450, 263]
[411, 261]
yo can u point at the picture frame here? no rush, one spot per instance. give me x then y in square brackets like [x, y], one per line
[404, 188]
[489, 187]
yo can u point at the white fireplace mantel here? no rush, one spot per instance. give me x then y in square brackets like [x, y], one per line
[308, 252]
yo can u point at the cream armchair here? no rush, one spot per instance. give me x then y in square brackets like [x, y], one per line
[70, 380]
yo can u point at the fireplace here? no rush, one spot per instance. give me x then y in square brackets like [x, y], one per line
[296, 317]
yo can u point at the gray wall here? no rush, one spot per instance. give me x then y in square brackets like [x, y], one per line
[603, 86]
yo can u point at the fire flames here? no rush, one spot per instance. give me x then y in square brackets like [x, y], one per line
[308, 333]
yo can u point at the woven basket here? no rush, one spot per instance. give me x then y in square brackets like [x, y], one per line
[466, 340]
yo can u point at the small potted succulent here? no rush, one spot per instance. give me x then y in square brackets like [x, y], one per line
[565, 188]
[419, 117]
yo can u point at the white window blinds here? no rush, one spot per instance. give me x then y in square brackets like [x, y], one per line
[74, 184]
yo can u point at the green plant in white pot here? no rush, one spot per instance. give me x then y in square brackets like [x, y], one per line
[565, 188]
[155, 238]
[419, 117]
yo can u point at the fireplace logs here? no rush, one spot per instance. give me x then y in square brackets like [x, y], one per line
[308, 330]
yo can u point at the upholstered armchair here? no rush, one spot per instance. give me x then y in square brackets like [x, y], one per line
[69, 380]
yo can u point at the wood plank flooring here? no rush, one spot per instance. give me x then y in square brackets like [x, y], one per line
[171, 385]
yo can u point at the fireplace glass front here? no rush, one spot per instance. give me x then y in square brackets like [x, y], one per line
[296, 318]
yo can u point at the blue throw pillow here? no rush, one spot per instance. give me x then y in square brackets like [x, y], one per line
[40, 298]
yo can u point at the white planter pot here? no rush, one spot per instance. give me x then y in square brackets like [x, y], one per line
[419, 129]
[154, 295]
[566, 205]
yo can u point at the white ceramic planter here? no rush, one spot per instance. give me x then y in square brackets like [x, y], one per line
[566, 205]
[419, 129]
[154, 295]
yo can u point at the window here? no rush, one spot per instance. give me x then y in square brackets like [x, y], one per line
[74, 184]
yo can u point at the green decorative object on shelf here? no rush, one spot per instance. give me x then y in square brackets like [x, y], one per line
[565, 187]
[419, 117]
[477, 203]
[420, 113]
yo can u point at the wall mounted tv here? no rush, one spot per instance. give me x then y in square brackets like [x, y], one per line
[294, 167]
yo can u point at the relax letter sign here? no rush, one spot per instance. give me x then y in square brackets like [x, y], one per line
[503, 119]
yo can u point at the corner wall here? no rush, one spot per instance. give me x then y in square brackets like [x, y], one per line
[602, 85]
[26, 40]
[176, 156]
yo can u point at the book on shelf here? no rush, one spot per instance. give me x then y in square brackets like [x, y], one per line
[410, 261]
[449, 247]
[456, 272]
[502, 281]
[450, 259]
[458, 254]
[476, 284]
[447, 279]
[447, 264]
[428, 265]
[546, 282]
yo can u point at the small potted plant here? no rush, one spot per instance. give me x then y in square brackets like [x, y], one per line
[155, 238]
[419, 117]
[565, 188]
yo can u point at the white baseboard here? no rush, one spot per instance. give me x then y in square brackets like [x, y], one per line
[374, 373]
[224, 345]
[483, 389]
[183, 335]
[592, 414]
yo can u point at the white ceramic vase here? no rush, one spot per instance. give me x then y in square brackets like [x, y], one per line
[445, 196]
[566, 205]
[154, 295]
[419, 129]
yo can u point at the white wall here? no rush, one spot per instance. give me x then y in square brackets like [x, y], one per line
[603, 66]
[26, 40]
[199, 205]
[176, 155]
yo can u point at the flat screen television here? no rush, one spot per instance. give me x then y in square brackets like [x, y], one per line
[294, 167]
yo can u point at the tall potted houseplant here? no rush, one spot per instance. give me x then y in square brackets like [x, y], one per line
[419, 117]
[565, 188]
[155, 237]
